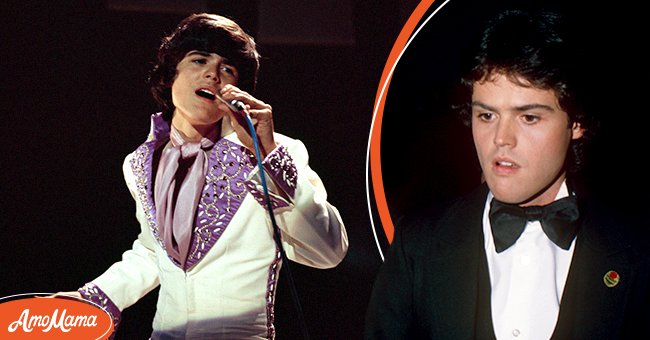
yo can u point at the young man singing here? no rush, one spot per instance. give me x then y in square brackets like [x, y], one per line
[206, 236]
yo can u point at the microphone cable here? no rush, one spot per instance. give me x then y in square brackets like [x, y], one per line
[239, 108]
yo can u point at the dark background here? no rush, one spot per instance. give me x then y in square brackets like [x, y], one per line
[75, 103]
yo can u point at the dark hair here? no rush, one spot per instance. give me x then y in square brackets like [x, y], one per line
[208, 33]
[534, 49]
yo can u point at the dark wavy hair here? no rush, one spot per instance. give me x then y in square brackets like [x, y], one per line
[534, 49]
[208, 33]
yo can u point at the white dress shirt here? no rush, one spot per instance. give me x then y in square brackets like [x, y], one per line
[527, 280]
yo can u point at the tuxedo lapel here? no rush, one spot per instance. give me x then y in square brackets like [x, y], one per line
[454, 287]
[590, 309]
[484, 325]
[457, 274]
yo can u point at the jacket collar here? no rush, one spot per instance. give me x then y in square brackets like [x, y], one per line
[588, 307]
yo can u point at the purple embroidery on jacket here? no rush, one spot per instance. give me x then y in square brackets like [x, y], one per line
[141, 164]
[228, 166]
[282, 169]
[271, 286]
[258, 194]
[94, 294]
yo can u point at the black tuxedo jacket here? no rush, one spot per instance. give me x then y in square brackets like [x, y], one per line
[435, 282]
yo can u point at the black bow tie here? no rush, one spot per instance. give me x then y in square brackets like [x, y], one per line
[557, 219]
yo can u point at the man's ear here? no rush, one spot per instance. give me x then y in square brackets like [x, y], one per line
[577, 131]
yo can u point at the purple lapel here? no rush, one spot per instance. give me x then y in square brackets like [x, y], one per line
[142, 165]
[229, 164]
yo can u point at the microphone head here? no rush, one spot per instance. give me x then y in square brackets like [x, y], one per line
[238, 105]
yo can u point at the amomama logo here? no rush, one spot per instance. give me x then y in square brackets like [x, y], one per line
[27, 317]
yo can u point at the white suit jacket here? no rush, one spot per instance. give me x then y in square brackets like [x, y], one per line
[226, 288]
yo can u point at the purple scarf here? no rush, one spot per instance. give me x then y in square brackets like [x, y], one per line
[179, 181]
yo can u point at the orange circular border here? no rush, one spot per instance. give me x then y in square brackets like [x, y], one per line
[375, 133]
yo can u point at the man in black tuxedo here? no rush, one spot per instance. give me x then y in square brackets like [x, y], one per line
[525, 255]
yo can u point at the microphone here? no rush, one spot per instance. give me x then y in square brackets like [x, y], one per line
[237, 105]
[234, 105]
[239, 108]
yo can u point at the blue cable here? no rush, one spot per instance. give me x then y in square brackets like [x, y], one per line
[276, 229]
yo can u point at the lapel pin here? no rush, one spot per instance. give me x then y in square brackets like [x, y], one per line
[611, 279]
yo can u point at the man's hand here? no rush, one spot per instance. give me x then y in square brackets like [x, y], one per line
[261, 115]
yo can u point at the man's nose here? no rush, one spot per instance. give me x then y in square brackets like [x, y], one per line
[505, 133]
[212, 74]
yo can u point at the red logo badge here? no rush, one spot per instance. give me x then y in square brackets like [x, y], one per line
[611, 279]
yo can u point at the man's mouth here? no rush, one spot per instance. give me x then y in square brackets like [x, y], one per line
[505, 164]
[205, 93]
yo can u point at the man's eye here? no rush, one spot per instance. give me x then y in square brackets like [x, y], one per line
[228, 70]
[200, 61]
[485, 116]
[530, 119]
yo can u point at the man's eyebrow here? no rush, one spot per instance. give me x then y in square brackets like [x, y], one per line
[527, 107]
[534, 106]
[483, 106]
[201, 53]
[206, 54]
